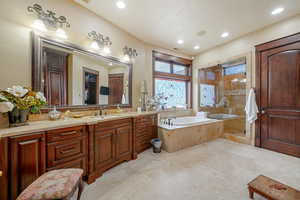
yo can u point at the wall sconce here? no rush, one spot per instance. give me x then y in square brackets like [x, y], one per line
[100, 42]
[129, 54]
[48, 18]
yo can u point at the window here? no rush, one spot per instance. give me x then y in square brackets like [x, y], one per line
[172, 79]
[173, 89]
[207, 95]
[162, 67]
[179, 69]
[236, 69]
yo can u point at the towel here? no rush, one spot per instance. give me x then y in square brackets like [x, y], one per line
[251, 107]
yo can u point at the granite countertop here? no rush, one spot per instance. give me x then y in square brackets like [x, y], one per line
[64, 123]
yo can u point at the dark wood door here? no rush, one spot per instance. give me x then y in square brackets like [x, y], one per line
[105, 153]
[55, 76]
[27, 161]
[124, 142]
[116, 88]
[279, 98]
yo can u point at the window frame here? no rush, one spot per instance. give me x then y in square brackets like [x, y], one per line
[158, 56]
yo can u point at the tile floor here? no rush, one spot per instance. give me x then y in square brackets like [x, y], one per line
[215, 170]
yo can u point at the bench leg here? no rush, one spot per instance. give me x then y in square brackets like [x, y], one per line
[251, 193]
[80, 189]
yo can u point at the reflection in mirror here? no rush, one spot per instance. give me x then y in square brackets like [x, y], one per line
[71, 78]
[222, 93]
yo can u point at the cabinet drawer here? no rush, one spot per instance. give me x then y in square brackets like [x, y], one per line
[63, 151]
[77, 163]
[112, 124]
[66, 133]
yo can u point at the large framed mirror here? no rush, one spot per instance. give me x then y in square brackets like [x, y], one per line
[72, 77]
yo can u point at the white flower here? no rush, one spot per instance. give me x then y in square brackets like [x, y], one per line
[6, 107]
[40, 96]
[17, 91]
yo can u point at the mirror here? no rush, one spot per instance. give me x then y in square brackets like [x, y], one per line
[71, 76]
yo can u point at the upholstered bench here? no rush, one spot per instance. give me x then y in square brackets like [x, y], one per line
[56, 184]
[271, 189]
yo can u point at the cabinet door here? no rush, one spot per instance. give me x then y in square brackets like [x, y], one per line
[124, 142]
[27, 161]
[104, 148]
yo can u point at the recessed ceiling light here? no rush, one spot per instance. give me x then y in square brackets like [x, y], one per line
[225, 34]
[180, 41]
[277, 11]
[196, 47]
[121, 4]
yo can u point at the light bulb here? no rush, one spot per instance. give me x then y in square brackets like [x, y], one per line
[39, 25]
[106, 50]
[61, 33]
[180, 41]
[95, 46]
[196, 47]
[126, 58]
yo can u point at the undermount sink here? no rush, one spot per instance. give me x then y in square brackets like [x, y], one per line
[222, 116]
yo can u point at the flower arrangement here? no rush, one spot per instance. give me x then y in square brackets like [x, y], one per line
[21, 98]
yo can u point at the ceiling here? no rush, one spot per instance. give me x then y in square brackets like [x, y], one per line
[198, 22]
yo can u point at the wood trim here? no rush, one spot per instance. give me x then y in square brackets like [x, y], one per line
[175, 59]
[37, 70]
[4, 180]
[172, 76]
[91, 71]
[278, 42]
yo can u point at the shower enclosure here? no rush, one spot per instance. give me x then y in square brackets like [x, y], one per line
[222, 93]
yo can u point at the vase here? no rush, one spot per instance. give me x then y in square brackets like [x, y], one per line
[18, 117]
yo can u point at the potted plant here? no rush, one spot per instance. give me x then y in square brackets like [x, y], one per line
[19, 101]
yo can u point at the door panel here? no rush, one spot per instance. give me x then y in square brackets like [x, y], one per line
[116, 85]
[28, 161]
[279, 86]
[105, 148]
[124, 141]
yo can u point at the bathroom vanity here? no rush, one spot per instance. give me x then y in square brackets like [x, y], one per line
[93, 144]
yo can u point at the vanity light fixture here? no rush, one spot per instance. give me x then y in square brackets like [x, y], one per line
[39, 25]
[277, 11]
[100, 42]
[129, 54]
[121, 4]
[48, 19]
[225, 34]
[61, 33]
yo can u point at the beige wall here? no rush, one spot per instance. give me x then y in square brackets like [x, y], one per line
[244, 46]
[15, 44]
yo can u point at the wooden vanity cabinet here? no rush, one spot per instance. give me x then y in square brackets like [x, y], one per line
[111, 144]
[27, 161]
[67, 148]
[145, 129]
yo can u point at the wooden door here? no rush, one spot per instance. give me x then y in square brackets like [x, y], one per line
[279, 96]
[27, 161]
[124, 142]
[105, 153]
[55, 66]
[116, 88]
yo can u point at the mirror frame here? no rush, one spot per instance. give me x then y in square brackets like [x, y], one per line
[37, 70]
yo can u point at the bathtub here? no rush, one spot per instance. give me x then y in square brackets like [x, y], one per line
[187, 121]
[189, 131]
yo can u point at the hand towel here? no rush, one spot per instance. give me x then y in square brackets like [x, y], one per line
[251, 107]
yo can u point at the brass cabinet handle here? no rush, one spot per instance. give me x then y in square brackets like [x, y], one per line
[68, 133]
[1, 173]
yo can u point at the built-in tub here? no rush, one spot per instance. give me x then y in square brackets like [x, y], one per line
[189, 131]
